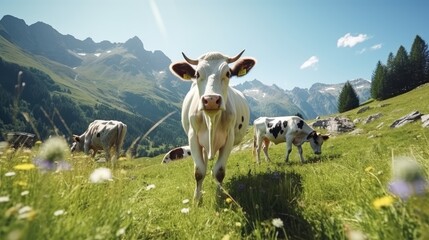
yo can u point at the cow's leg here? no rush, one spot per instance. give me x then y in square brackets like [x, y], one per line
[266, 145]
[200, 166]
[219, 170]
[258, 144]
[300, 153]
[288, 148]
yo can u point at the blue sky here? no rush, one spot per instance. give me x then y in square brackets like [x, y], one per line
[296, 43]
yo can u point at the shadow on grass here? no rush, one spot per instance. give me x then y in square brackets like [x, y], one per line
[266, 196]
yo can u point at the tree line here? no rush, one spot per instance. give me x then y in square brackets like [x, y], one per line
[401, 73]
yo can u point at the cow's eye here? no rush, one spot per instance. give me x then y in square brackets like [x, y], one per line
[228, 74]
[197, 75]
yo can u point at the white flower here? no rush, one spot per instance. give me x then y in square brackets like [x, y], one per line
[120, 232]
[185, 201]
[277, 222]
[10, 174]
[4, 199]
[59, 212]
[25, 193]
[101, 175]
[150, 186]
[184, 210]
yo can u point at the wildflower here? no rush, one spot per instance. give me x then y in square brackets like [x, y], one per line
[101, 175]
[4, 199]
[24, 166]
[59, 212]
[228, 200]
[21, 183]
[238, 224]
[407, 178]
[122, 159]
[383, 202]
[120, 232]
[184, 210]
[26, 212]
[25, 193]
[10, 174]
[185, 201]
[52, 154]
[369, 169]
[150, 186]
[277, 222]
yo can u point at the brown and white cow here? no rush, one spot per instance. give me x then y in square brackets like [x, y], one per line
[101, 135]
[215, 116]
[289, 129]
[176, 154]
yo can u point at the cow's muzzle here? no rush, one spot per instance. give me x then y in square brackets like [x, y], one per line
[211, 102]
[317, 153]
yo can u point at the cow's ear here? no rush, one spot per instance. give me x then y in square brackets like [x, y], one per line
[311, 135]
[325, 137]
[76, 138]
[243, 66]
[183, 70]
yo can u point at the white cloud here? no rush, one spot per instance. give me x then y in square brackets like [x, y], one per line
[377, 46]
[311, 62]
[350, 41]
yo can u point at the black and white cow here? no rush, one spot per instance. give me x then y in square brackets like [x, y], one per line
[289, 129]
[176, 154]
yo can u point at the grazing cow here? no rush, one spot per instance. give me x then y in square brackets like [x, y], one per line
[289, 129]
[101, 135]
[215, 116]
[177, 153]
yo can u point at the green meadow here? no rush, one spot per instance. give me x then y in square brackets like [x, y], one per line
[341, 194]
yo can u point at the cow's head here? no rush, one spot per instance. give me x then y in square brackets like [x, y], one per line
[212, 73]
[316, 141]
[77, 144]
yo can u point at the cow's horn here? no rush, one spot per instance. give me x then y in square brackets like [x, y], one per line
[233, 59]
[190, 61]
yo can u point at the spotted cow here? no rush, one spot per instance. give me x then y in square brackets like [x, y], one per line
[101, 135]
[176, 154]
[215, 116]
[289, 129]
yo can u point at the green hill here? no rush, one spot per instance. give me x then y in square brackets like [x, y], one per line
[343, 192]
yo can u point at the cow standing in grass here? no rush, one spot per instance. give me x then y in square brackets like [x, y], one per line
[289, 129]
[215, 116]
[101, 135]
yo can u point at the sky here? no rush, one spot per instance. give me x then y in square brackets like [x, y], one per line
[296, 42]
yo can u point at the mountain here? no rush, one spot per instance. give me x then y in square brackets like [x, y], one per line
[122, 81]
[321, 99]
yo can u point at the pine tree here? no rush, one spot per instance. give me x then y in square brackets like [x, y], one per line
[348, 98]
[419, 62]
[378, 82]
[401, 82]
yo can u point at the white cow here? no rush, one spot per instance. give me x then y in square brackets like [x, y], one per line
[101, 135]
[215, 116]
[289, 129]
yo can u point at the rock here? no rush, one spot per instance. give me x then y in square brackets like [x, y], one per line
[364, 109]
[357, 131]
[406, 119]
[339, 125]
[372, 118]
[425, 120]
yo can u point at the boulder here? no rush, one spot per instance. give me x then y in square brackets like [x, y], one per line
[363, 109]
[373, 117]
[339, 125]
[413, 116]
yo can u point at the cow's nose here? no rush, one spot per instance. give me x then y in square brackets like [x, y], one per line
[318, 153]
[211, 102]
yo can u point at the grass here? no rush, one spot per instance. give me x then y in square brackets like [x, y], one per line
[329, 197]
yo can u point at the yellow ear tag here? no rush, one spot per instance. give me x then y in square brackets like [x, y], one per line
[242, 72]
[187, 76]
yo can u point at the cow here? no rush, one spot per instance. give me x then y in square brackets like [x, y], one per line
[177, 153]
[101, 135]
[289, 129]
[215, 116]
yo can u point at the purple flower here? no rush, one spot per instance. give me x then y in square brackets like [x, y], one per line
[405, 190]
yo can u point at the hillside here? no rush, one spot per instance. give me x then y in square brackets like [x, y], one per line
[343, 192]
